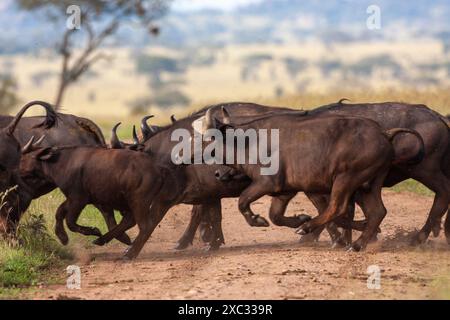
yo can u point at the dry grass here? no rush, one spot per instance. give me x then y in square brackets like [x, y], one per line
[110, 86]
[437, 99]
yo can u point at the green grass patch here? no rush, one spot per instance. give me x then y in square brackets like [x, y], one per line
[90, 216]
[21, 268]
[31, 256]
[25, 260]
[36, 254]
[411, 185]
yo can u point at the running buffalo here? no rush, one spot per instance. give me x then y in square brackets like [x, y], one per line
[319, 154]
[432, 171]
[202, 189]
[70, 130]
[108, 178]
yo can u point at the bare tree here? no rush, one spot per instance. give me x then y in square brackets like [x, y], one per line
[8, 97]
[100, 19]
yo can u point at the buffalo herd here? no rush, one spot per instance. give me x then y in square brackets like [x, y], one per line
[340, 155]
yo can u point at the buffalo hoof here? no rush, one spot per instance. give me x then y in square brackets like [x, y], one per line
[303, 218]
[340, 243]
[128, 255]
[308, 238]
[124, 238]
[95, 232]
[63, 238]
[206, 234]
[373, 239]
[211, 247]
[181, 245]
[99, 242]
[436, 230]
[304, 229]
[419, 238]
[355, 247]
[259, 221]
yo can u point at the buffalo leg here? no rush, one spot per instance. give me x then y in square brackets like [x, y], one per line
[314, 235]
[126, 223]
[346, 238]
[188, 236]
[361, 225]
[249, 195]
[60, 231]
[73, 211]
[147, 222]
[206, 228]
[217, 238]
[375, 212]
[320, 201]
[108, 215]
[208, 219]
[278, 209]
[440, 185]
[342, 190]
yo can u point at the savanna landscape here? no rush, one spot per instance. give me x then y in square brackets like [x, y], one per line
[288, 55]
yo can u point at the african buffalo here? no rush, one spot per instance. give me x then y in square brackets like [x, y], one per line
[10, 154]
[70, 130]
[115, 142]
[105, 178]
[432, 171]
[333, 155]
[202, 189]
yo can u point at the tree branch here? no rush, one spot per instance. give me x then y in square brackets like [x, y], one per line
[72, 69]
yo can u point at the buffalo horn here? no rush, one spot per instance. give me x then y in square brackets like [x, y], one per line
[28, 146]
[135, 137]
[115, 142]
[39, 141]
[145, 129]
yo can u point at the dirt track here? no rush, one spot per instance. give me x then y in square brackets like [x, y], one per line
[269, 263]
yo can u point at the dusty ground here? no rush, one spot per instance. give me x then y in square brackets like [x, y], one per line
[269, 263]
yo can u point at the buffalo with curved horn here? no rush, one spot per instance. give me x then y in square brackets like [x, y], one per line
[10, 154]
[148, 131]
[115, 142]
[32, 145]
[60, 130]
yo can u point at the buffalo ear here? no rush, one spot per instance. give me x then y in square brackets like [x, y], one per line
[47, 154]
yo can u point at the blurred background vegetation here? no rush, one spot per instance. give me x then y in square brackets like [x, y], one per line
[166, 56]
[8, 94]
